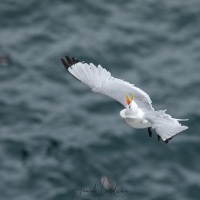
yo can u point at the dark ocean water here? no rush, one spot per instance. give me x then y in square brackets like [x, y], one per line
[55, 133]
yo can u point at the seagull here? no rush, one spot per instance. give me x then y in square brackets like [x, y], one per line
[138, 112]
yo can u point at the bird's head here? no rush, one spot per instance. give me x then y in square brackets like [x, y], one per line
[131, 107]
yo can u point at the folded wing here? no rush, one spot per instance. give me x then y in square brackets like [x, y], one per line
[101, 81]
[165, 126]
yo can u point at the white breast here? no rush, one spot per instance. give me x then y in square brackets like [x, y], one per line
[135, 122]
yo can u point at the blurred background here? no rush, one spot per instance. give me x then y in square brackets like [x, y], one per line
[55, 133]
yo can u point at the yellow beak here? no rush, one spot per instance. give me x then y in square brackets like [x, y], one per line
[128, 100]
[132, 98]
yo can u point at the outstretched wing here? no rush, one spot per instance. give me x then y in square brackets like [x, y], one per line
[165, 126]
[101, 81]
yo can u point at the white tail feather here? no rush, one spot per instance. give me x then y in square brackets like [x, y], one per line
[165, 126]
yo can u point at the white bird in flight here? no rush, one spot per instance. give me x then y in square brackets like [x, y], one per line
[138, 112]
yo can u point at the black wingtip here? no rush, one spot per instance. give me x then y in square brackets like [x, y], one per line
[68, 62]
[64, 63]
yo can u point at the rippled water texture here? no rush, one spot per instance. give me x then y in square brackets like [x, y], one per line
[55, 133]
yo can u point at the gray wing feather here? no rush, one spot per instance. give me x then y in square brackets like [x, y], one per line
[101, 81]
[165, 126]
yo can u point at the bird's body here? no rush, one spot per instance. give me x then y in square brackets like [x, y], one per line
[138, 122]
[135, 121]
[138, 112]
